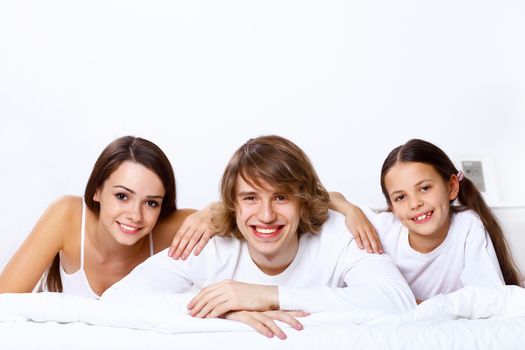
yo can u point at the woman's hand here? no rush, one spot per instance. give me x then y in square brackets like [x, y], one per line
[263, 321]
[228, 295]
[195, 232]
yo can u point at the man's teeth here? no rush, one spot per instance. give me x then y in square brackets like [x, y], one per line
[265, 230]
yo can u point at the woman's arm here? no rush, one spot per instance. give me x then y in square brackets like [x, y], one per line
[35, 255]
[364, 232]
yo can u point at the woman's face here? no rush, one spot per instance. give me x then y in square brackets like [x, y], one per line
[130, 201]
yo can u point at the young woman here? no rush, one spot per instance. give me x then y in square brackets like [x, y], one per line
[86, 244]
[439, 247]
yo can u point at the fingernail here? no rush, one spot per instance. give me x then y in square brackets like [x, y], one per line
[299, 326]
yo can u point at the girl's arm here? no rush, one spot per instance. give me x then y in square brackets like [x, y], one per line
[364, 232]
[26, 267]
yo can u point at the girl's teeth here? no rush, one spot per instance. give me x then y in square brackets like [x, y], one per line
[422, 217]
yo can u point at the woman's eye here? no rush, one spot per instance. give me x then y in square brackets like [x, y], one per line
[121, 196]
[153, 204]
[249, 198]
[281, 197]
[425, 188]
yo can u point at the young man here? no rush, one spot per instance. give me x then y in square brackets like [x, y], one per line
[279, 253]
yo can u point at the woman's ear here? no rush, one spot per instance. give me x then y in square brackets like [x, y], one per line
[96, 195]
[453, 187]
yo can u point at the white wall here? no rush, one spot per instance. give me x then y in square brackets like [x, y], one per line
[345, 80]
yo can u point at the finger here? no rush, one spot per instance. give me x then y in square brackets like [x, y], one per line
[260, 327]
[270, 324]
[250, 320]
[182, 245]
[375, 244]
[358, 241]
[286, 318]
[191, 244]
[176, 241]
[296, 313]
[202, 243]
[208, 303]
[366, 243]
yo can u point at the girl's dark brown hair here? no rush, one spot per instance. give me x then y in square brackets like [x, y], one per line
[278, 162]
[469, 197]
[126, 148]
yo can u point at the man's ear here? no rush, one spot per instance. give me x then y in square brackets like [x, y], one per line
[453, 187]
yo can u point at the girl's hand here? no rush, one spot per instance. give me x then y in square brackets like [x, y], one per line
[194, 232]
[362, 229]
[263, 321]
[229, 295]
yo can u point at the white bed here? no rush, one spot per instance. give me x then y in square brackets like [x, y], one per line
[471, 318]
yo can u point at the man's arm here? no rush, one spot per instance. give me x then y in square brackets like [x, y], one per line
[158, 281]
[371, 282]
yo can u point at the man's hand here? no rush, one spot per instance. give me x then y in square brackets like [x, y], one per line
[229, 295]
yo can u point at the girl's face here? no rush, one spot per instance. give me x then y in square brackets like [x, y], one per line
[130, 201]
[420, 198]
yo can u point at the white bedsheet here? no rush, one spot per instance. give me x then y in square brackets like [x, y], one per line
[481, 318]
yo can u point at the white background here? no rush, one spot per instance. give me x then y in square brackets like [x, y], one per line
[346, 80]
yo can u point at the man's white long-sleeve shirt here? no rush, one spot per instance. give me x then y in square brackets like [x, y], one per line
[329, 272]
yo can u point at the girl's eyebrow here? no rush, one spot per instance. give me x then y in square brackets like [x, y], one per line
[416, 185]
[133, 192]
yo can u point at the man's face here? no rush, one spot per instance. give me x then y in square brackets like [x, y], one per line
[268, 220]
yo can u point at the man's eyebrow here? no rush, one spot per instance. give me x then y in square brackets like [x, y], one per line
[247, 193]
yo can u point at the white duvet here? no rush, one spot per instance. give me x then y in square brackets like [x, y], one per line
[480, 318]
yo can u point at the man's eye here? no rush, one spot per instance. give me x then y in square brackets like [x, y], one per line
[121, 196]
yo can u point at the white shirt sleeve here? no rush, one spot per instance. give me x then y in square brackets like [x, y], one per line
[368, 281]
[481, 263]
[158, 281]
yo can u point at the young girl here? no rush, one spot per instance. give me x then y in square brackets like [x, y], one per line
[87, 244]
[439, 247]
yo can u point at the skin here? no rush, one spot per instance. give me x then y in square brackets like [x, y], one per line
[111, 251]
[268, 221]
[420, 199]
[361, 228]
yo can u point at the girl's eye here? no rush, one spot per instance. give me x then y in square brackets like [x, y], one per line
[425, 188]
[248, 198]
[281, 197]
[399, 198]
[121, 196]
[152, 204]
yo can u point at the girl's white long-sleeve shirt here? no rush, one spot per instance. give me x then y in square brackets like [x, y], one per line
[465, 258]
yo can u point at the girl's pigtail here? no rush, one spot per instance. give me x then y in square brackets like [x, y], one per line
[470, 198]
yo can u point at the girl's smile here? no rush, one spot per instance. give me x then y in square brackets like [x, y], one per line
[420, 199]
